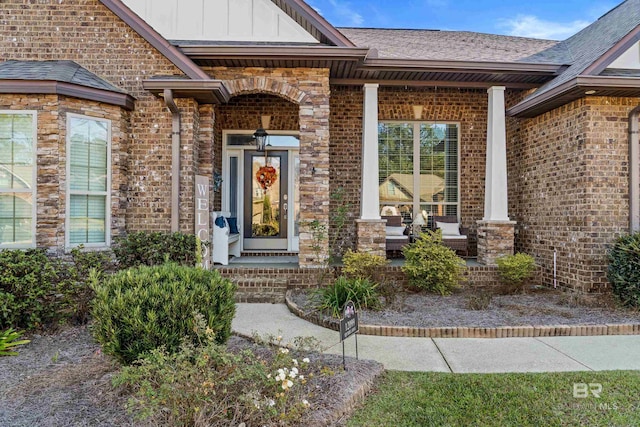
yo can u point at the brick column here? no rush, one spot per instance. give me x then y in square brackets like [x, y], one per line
[495, 239]
[370, 229]
[371, 236]
[495, 231]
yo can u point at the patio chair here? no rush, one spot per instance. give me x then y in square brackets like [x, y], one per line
[453, 236]
[396, 235]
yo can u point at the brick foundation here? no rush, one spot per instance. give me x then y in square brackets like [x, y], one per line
[495, 239]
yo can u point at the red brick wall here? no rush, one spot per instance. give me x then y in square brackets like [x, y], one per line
[568, 187]
[88, 33]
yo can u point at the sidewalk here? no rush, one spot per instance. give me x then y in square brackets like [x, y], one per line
[463, 355]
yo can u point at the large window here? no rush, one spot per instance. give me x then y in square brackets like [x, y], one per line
[418, 169]
[17, 178]
[89, 181]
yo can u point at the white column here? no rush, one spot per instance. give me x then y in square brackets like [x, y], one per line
[495, 188]
[370, 195]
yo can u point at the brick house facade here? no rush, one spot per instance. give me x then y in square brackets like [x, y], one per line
[562, 185]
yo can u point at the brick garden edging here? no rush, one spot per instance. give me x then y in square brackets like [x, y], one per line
[473, 332]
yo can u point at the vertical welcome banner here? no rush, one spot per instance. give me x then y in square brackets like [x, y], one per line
[202, 217]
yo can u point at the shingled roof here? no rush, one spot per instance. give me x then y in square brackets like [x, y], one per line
[59, 71]
[592, 45]
[60, 77]
[456, 46]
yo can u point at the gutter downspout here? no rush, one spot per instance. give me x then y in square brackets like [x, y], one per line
[175, 159]
[634, 171]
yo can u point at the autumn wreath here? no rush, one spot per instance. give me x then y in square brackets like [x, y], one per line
[266, 176]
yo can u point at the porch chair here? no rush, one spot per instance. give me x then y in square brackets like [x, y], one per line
[395, 234]
[453, 236]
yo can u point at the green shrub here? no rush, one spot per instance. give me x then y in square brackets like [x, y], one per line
[143, 248]
[39, 291]
[624, 269]
[30, 289]
[363, 265]
[208, 385]
[143, 308]
[431, 266]
[9, 340]
[333, 298]
[514, 270]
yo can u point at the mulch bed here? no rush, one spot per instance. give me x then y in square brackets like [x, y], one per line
[539, 306]
[64, 379]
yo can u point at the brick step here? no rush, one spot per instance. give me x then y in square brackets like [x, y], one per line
[260, 289]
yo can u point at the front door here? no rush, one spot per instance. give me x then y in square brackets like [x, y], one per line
[266, 200]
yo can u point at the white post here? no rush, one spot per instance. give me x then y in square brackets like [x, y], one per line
[495, 198]
[370, 196]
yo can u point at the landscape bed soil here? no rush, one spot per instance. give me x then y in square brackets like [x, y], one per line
[64, 379]
[542, 307]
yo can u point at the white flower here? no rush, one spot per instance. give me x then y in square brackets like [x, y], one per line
[293, 373]
[305, 402]
[268, 375]
[301, 377]
[294, 361]
[284, 350]
[272, 402]
[305, 360]
[286, 384]
[279, 338]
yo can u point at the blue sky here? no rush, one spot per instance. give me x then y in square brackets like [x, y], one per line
[550, 19]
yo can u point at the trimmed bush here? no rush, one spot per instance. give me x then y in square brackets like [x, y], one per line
[431, 266]
[143, 248]
[30, 289]
[624, 269]
[362, 265]
[514, 270]
[143, 308]
[333, 298]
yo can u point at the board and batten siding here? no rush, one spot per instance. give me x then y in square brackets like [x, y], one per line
[220, 20]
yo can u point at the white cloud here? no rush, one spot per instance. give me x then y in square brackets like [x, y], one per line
[532, 26]
[345, 13]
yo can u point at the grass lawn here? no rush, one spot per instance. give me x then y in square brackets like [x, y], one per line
[439, 399]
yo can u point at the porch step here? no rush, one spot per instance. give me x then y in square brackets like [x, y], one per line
[260, 289]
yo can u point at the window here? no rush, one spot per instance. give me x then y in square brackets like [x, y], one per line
[418, 168]
[17, 178]
[89, 181]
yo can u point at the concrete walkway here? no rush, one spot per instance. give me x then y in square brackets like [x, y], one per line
[464, 355]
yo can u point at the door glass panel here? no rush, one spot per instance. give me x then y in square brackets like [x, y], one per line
[265, 195]
[296, 195]
[233, 186]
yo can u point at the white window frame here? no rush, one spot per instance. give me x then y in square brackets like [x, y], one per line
[416, 204]
[34, 178]
[69, 192]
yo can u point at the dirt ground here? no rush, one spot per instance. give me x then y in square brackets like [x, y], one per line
[64, 379]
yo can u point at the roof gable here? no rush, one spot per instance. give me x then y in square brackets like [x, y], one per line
[593, 49]
[629, 60]
[238, 21]
[220, 20]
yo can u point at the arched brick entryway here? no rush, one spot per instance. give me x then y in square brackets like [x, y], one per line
[309, 89]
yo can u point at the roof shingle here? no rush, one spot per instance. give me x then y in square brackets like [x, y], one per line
[60, 71]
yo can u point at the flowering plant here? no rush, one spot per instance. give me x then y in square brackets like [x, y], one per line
[266, 176]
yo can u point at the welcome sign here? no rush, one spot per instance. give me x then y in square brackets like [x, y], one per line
[202, 217]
